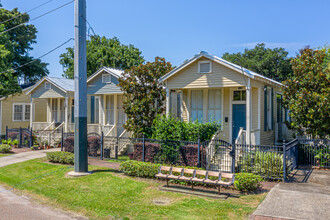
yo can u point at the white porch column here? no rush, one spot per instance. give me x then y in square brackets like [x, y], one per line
[115, 115]
[168, 106]
[248, 111]
[66, 116]
[31, 112]
[102, 115]
[58, 109]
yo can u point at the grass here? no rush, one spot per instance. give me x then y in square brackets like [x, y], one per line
[120, 159]
[3, 155]
[108, 194]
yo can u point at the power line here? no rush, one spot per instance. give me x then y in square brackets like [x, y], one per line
[36, 17]
[28, 63]
[26, 12]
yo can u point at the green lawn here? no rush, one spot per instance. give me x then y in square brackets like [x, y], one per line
[3, 155]
[108, 193]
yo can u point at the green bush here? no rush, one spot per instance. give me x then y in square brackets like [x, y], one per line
[247, 182]
[169, 128]
[60, 157]
[265, 164]
[139, 169]
[5, 148]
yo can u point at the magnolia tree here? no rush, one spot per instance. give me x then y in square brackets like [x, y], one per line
[307, 94]
[144, 94]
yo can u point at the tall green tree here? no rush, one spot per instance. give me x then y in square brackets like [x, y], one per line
[144, 94]
[19, 43]
[102, 51]
[307, 94]
[272, 63]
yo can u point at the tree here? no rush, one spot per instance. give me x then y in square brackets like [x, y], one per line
[272, 63]
[102, 51]
[307, 94]
[144, 94]
[19, 43]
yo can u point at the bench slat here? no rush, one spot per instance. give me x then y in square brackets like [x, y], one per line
[227, 175]
[165, 168]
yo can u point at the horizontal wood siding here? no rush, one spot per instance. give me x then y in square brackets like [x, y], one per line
[40, 110]
[96, 86]
[53, 92]
[221, 76]
[185, 105]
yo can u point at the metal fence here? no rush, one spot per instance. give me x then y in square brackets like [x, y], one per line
[24, 136]
[314, 152]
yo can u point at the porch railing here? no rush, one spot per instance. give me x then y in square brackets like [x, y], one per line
[241, 137]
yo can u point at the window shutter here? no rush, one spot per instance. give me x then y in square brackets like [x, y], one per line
[92, 109]
[272, 109]
[265, 108]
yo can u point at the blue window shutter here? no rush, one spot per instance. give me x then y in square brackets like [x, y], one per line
[272, 109]
[265, 108]
[92, 109]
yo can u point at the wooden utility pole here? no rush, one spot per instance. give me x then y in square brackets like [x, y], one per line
[80, 95]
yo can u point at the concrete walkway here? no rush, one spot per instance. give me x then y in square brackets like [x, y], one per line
[13, 206]
[309, 200]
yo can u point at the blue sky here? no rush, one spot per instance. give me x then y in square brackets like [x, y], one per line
[179, 29]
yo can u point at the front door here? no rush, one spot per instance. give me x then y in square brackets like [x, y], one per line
[239, 119]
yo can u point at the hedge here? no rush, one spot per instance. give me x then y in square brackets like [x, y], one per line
[93, 145]
[5, 148]
[247, 182]
[61, 157]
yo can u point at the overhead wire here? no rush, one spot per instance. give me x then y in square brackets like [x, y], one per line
[26, 11]
[46, 13]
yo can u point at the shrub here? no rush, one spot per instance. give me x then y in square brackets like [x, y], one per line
[68, 144]
[139, 169]
[93, 145]
[247, 182]
[5, 148]
[265, 164]
[60, 157]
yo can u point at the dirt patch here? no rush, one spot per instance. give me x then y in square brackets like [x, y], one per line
[162, 201]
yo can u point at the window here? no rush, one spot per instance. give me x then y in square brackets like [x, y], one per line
[54, 110]
[47, 85]
[121, 113]
[268, 108]
[106, 78]
[21, 112]
[239, 95]
[204, 67]
[197, 105]
[72, 111]
[109, 108]
[214, 108]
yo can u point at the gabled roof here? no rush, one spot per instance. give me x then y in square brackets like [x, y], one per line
[115, 72]
[66, 85]
[221, 61]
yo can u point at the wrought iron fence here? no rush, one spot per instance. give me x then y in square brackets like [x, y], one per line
[219, 155]
[23, 135]
[314, 152]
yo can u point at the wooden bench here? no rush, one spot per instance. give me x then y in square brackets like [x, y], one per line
[198, 176]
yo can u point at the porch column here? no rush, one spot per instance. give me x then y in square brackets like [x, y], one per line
[102, 115]
[31, 112]
[115, 115]
[248, 111]
[58, 109]
[66, 117]
[168, 100]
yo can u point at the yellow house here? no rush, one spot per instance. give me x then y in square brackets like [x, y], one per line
[15, 111]
[247, 104]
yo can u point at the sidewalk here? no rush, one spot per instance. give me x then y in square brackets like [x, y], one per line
[308, 200]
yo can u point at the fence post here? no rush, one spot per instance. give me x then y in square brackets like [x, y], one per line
[6, 133]
[233, 155]
[101, 145]
[284, 161]
[199, 153]
[62, 139]
[31, 137]
[20, 137]
[143, 148]
[116, 148]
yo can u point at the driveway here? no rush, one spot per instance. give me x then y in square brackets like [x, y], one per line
[295, 200]
[13, 206]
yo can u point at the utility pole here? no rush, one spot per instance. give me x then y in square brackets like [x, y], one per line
[80, 94]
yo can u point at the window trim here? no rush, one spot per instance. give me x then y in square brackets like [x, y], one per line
[108, 75]
[199, 66]
[23, 112]
[48, 84]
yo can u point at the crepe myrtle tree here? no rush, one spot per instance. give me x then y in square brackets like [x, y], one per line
[307, 94]
[144, 95]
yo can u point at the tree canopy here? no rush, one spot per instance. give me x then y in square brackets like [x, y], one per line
[102, 51]
[272, 63]
[144, 94]
[307, 94]
[15, 46]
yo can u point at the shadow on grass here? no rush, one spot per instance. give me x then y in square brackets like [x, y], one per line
[106, 171]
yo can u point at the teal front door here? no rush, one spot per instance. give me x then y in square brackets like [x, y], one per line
[239, 119]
